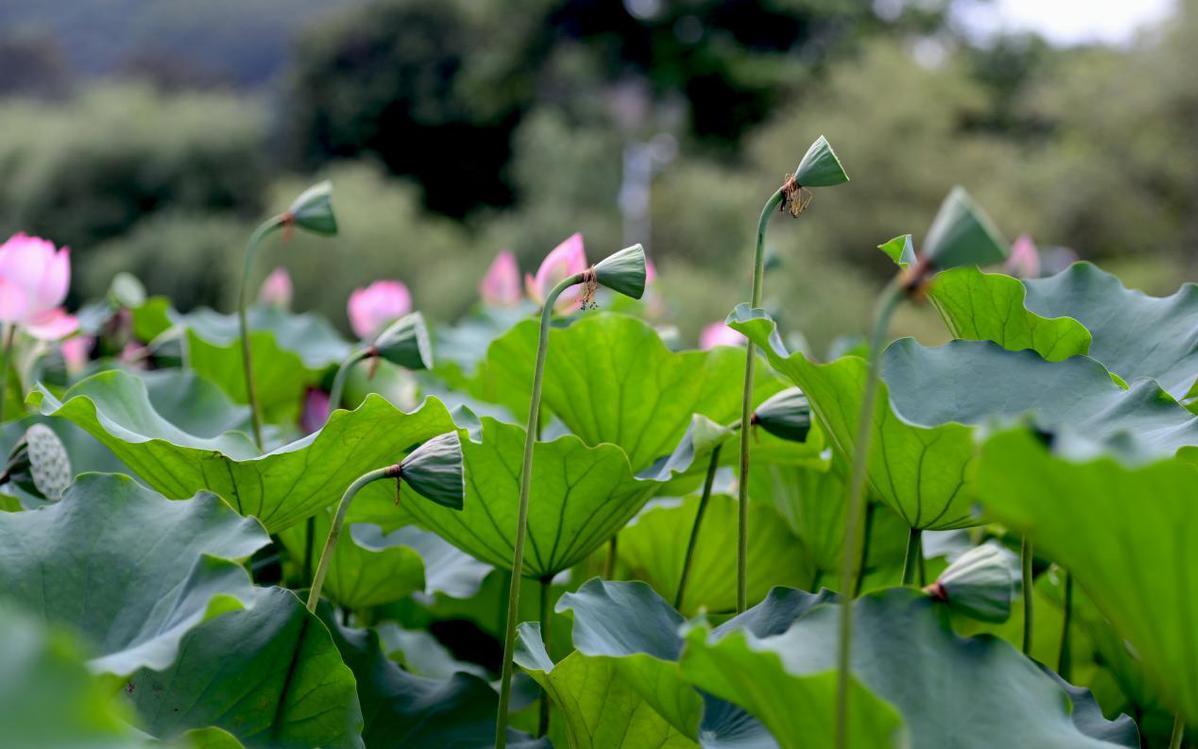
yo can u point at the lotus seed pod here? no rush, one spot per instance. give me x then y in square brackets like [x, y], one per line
[820, 166]
[623, 271]
[436, 472]
[978, 584]
[786, 415]
[313, 210]
[39, 464]
[406, 342]
[962, 234]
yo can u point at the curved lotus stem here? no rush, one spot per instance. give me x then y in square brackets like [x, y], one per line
[712, 465]
[251, 250]
[342, 373]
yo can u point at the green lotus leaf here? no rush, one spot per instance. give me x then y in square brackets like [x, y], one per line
[580, 496]
[991, 307]
[950, 691]
[900, 249]
[1125, 534]
[923, 448]
[130, 570]
[269, 674]
[653, 547]
[48, 697]
[610, 378]
[280, 488]
[419, 653]
[1135, 335]
[820, 167]
[406, 711]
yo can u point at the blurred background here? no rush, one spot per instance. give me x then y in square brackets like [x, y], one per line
[152, 136]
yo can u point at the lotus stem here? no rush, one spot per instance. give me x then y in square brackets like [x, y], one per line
[309, 540]
[343, 374]
[854, 510]
[546, 590]
[326, 555]
[513, 600]
[1026, 555]
[911, 560]
[866, 535]
[746, 410]
[5, 362]
[247, 363]
[1065, 658]
[712, 465]
[613, 554]
[1179, 729]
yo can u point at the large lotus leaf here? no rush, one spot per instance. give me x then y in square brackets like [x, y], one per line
[1135, 335]
[951, 691]
[130, 570]
[280, 488]
[580, 496]
[653, 547]
[991, 307]
[193, 404]
[269, 674]
[610, 378]
[406, 711]
[1126, 535]
[48, 698]
[923, 448]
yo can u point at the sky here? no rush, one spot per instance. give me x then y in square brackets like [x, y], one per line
[1063, 21]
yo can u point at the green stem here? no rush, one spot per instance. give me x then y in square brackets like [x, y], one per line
[1029, 588]
[546, 589]
[694, 539]
[326, 556]
[866, 535]
[342, 374]
[1179, 729]
[1065, 658]
[910, 561]
[613, 553]
[513, 599]
[854, 510]
[309, 541]
[5, 362]
[247, 362]
[746, 411]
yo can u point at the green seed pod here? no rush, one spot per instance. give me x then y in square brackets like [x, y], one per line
[39, 464]
[313, 210]
[978, 584]
[786, 415]
[962, 234]
[623, 271]
[126, 291]
[820, 166]
[436, 472]
[406, 342]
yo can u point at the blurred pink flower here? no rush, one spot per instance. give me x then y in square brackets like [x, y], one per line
[316, 410]
[1024, 260]
[34, 278]
[134, 355]
[650, 272]
[75, 353]
[276, 290]
[565, 260]
[371, 309]
[719, 334]
[501, 286]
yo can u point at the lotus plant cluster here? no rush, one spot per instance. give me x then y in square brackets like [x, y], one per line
[555, 524]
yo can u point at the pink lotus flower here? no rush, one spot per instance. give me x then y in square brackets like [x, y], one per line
[719, 334]
[75, 353]
[316, 410]
[34, 278]
[1024, 260]
[501, 286]
[565, 260]
[371, 309]
[276, 290]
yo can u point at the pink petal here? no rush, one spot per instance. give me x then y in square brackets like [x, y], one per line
[719, 334]
[1024, 260]
[501, 286]
[650, 272]
[565, 260]
[75, 352]
[277, 290]
[372, 308]
[316, 410]
[14, 304]
[42, 273]
[51, 325]
[57, 279]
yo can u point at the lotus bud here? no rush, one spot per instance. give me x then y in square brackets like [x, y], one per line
[313, 210]
[277, 290]
[719, 334]
[405, 342]
[978, 584]
[1024, 261]
[126, 291]
[436, 472]
[962, 234]
[623, 271]
[786, 415]
[39, 464]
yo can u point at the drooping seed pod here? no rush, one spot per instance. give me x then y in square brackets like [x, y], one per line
[405, 342]
[979, 584]
[962, 234]
[623, 271]
[313, 210]
[786, 414]
[436, 472]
